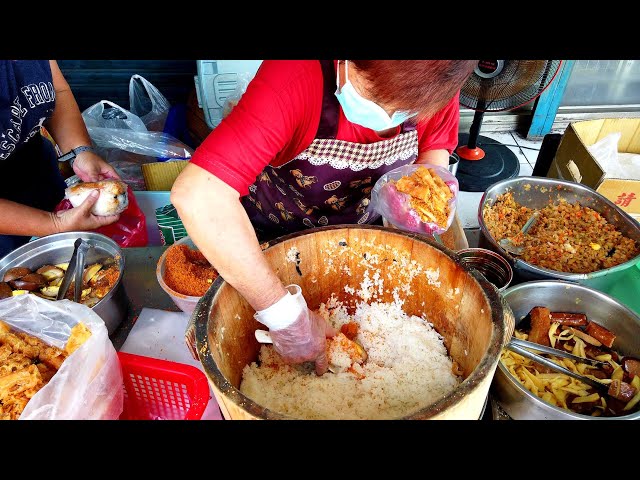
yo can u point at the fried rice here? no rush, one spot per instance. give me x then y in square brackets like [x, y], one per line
[567, 237]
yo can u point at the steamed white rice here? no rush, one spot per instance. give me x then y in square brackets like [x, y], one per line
[408, 369]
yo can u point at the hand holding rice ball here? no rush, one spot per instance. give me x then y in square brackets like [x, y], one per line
[298, 334]
[96, 204]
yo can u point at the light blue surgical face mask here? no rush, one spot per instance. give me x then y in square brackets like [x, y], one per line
[364, 112]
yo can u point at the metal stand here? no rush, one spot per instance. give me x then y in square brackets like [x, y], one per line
[498, 163]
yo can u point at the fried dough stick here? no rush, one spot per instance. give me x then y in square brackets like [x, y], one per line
[32, 347]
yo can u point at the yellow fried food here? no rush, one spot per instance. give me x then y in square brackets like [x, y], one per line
[13, 362]
[79, 334]
[52, 357]
[4, 328]
[18, 345]
[13, 407]
[26, 365]
[429, 195]
[19, 382]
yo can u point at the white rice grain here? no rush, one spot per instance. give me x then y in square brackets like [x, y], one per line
[408, 369]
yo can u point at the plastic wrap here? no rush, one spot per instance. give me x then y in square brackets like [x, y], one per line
[88, 385]
[395, 208]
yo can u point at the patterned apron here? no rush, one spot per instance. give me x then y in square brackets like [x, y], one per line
[330, 182]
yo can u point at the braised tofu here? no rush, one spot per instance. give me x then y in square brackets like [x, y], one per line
[540, 324]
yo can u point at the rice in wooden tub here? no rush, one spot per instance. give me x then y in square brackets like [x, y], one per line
[385, 266]
[407, 369]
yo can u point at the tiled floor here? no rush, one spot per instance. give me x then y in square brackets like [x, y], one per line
[527, 153]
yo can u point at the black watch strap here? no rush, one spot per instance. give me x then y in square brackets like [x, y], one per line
[70, 156]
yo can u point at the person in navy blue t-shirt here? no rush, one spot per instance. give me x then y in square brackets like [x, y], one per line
[34, 93]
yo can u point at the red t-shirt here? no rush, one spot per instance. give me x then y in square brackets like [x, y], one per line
[278, 116]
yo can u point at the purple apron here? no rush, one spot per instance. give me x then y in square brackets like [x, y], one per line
[330, 182]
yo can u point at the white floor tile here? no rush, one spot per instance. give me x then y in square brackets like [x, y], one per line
[521, 157]
[503, 137]
[467, 209]
[530, 149]
[525, 170]
[532, 156]
[533, 143]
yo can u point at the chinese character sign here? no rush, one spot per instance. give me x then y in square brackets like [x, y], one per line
[624, 199]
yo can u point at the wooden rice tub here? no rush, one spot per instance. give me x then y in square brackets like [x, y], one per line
[464, 308]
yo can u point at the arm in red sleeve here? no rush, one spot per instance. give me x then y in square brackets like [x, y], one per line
[277, 114]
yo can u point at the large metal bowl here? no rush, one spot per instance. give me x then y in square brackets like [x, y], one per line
[561, 296]
[58, 248]
[538, 192]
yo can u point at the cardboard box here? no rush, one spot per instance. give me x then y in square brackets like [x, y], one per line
[573, 161]
[161, 175]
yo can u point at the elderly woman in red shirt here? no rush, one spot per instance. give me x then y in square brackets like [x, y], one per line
[303, 148]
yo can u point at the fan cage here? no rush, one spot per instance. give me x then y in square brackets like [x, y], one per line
[518, 83]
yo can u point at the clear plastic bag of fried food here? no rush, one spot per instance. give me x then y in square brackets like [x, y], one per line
[418, 198]
[56, 362]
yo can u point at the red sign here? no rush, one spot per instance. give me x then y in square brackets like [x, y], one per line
[624, 199]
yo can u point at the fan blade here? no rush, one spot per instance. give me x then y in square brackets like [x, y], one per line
[514, 84]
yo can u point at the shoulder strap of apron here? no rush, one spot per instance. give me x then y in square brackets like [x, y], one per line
[409, 125]
[328, 127]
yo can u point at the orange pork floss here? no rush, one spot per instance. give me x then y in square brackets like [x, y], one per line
[187, 271]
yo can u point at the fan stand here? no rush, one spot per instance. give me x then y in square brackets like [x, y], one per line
[498, 161]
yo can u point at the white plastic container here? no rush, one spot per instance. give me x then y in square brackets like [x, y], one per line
[216, 80]
[186, 303]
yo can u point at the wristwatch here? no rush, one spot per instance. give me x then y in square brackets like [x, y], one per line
[71, 156]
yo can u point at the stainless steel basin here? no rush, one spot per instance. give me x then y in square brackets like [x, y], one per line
[561, 296]
[58, 248]
[537, 192]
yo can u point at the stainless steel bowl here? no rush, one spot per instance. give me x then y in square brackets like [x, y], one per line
[57, 248]
[562, 296]
[454, 161]
[490, 265]
[537, 192]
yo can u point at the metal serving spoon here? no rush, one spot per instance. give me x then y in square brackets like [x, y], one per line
[507, 243]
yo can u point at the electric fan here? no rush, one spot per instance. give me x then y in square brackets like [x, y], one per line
[496, 85]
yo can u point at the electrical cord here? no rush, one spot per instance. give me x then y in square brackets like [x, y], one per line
[507, 145]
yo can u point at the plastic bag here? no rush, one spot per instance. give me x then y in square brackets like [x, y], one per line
[615, 164]
[131, 228]
[116, 127]
[88, 385]
[146, 101]
[123, 141]
[394, 206]
[234, 97]
[605, 151]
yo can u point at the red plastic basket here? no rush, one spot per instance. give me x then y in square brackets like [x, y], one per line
[161, 390]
